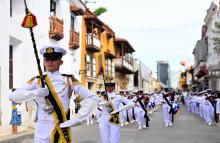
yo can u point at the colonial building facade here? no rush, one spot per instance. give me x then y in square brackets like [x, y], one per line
[91, 45]
[59, 22]
[207, 52]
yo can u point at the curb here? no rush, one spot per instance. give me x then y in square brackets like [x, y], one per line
[12, 138]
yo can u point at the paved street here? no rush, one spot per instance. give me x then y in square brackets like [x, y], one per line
[187, 128]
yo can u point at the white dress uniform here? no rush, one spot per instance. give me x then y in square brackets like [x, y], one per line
[46, 122]
[131, 112]
[209, 112]
[166, 108]
[110, 132]
[139, 113]
[201, 101]
[72, 106]
[218, 107]
[123, 116]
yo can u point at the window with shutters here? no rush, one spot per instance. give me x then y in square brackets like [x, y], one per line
[10, 66]
[10, 8]
[90, 66]
[110, 70]
[53, 7]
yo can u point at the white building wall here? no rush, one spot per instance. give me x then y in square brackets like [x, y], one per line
[4, 63]
[130, 78]
[146, 86]
[25, 66]
[213, 58]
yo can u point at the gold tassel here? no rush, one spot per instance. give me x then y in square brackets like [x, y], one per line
[29, 20]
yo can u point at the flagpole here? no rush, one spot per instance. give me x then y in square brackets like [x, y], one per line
[103, 76]
[35, 48]
[48, 106]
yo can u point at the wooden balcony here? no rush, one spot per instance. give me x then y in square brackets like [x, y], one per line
[74, 40]
[123, 66]
[76, 10]
[93, 43]
[56, 28]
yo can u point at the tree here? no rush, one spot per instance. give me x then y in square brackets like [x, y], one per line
[100, 11]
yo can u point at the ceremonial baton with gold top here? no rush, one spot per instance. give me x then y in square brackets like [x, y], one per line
[29, 22]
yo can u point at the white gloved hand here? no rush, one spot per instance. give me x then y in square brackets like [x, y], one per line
[125, 107]
[70, 123]
[42, 92]
[87, 107]
[113, 112]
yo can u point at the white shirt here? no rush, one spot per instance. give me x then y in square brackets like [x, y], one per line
[60, 84]
[115, 100]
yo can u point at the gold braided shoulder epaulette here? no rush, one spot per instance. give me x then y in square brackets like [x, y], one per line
[33, 78]
[73, 79]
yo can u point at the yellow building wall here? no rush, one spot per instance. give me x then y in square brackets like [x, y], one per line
[104, 48]
[107, 44]
[111, 46]
[83, 53]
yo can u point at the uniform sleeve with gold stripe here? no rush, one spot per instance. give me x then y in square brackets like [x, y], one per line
[26, 92]
[83, 91]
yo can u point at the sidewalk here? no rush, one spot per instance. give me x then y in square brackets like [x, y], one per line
[5, 132]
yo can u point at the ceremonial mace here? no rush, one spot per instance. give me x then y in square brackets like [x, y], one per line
[30, 22]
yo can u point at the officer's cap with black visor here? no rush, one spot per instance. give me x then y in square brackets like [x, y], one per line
[110, 84]
[52, 52]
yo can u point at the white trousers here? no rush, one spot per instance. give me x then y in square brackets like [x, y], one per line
[166, 116]
[43, 131]
[140, 119]
[110, 133]
[210, 114]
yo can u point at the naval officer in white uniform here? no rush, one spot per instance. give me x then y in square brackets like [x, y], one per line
[61, 86]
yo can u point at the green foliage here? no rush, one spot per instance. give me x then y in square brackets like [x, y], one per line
[100, 11]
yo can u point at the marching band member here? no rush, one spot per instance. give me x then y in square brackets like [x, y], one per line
[59, 90]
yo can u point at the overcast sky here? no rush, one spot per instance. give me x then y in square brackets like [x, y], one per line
[157, 29]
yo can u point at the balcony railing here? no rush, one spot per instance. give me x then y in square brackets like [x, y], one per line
[74, 39]
[124, 66]
[93, 43]
[56, 28]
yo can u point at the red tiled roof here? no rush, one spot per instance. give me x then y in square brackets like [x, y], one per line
[75, 9]
[108, 30]
[121, 40]
[90, 16]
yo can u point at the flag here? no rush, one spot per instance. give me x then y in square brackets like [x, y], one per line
[29, 20]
